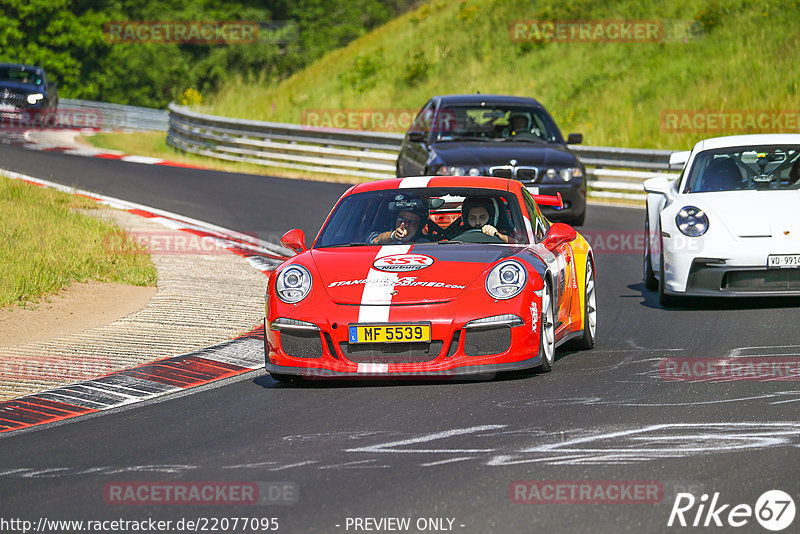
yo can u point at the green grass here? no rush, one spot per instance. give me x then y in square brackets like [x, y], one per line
[45, 244]
[614, 93]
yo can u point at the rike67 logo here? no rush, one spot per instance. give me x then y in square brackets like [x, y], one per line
[774, 510]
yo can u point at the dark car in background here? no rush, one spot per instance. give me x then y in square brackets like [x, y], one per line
[495, 135]
[25, 89]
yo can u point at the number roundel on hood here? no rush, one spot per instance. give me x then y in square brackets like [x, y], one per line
[402, 262]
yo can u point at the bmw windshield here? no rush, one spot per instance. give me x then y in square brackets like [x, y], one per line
[497, 122]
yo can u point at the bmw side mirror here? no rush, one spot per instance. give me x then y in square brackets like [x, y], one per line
[416, 137]
[559, 234]
[295, 240]
[575, 139]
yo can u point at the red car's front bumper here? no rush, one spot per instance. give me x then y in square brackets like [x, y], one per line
[319, 346]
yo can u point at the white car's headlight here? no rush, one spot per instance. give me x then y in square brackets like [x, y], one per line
[692, 221]
[34, 98]
[293, 284]
[506, 280]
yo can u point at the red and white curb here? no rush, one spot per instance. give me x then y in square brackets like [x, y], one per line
[231, 358]
[54, 141]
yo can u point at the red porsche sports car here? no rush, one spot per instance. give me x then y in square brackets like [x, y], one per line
[444, 275]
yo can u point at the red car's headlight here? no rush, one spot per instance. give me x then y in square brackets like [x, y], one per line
[506, 280]
[293, 284]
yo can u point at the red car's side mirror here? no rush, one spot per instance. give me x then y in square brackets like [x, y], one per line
[559, 234]
[295, 240]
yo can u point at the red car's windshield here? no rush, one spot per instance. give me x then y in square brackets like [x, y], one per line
[398, 216]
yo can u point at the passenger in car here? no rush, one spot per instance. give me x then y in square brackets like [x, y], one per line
[408, 229]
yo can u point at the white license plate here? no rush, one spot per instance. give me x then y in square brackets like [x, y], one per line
[783, 261]
[532, 189]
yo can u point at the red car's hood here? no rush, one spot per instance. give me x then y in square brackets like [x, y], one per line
[425, 273]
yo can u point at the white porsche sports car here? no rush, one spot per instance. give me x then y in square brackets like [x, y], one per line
[730, 224]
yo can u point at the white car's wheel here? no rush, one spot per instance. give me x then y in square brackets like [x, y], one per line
[663, 298]
[650, 281]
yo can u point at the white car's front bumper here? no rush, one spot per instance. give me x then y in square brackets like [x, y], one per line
[728, 267]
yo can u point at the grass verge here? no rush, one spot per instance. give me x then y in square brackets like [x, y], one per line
[46, 243]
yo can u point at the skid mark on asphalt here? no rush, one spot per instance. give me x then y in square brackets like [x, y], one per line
[575, 447]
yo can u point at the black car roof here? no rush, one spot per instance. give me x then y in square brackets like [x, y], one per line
[489, 99]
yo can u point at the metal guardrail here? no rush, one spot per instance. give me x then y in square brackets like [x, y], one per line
[613, 172]
[121, 117]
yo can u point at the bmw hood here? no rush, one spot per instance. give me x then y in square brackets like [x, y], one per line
[483, 154]
[403, 274]
[752, 213]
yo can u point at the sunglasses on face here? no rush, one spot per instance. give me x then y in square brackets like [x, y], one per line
[408, 222]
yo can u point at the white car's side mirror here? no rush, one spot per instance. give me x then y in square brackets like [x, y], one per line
[658, 185]
[679, 159]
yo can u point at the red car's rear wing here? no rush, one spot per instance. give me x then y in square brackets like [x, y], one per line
[549, 200]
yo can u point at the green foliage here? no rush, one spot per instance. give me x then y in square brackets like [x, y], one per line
[417, 69]
[718, 55]
[362, 75]
[68, 38]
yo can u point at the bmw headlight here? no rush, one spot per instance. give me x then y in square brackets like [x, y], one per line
[564, 175]
[692, 221]
[293, 284]
[570, 173]
[34, 98]
[506, 280]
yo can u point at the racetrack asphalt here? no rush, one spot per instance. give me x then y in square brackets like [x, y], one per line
[433, 449]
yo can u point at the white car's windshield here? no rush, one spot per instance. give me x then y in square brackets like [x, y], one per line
[430, 215]
[745, 168]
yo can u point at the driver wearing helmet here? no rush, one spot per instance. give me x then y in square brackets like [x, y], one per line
[477, 213]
